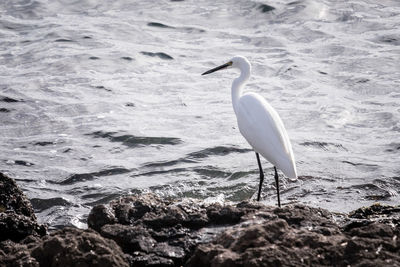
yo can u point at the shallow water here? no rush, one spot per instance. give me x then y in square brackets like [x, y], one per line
[104, 98]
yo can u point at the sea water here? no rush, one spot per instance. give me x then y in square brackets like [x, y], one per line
[100, 99]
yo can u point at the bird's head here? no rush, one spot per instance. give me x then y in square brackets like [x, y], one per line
[237, 62]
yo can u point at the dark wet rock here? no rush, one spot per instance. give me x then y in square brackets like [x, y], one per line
[66, 247]
[16, 254]
[4, 110]
[374, 221]
[372, 244]
[219, 214]
[147, 230]
[291, 236]
[13, 199]
[17, 222]
[17, 218]
[253, 235]
[377, 212]
[155, 231]
[300, 236]
[16, 227]
[101, 215]
[76, 247]
[23, 242]
[151, 259]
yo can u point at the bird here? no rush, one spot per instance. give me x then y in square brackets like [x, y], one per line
[260, 125]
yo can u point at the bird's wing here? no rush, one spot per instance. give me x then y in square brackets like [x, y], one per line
[262, 127]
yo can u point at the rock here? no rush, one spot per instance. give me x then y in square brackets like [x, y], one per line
[300, 236]
[158, 231]
[66, 247]
[16, 227]
[161, 232]
[151, 259]
[377, 212]
[149, 231]
[153, 231]
[25, 243]
[129, 209]
[17, 218]
[16, 254]
[101, 215]
[13, 199]
[219, 214]
[375, 242]
[130, 238]
[76, 247]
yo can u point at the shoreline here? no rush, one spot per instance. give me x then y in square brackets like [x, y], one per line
[145, 230]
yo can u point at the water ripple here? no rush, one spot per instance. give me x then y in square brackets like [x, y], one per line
[82, 177]
[95, 91]
[135, 141]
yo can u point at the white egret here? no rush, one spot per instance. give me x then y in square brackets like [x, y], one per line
[260, 125]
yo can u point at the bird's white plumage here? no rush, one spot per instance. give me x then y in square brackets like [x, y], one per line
[263, 129]
[260, 124]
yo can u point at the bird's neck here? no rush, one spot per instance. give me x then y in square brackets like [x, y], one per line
[237, 86]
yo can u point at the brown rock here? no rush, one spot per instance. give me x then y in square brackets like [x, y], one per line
[158, 232]
[75, 247]
[101, 215]
[12, 199]
[16, 254]
[299, 236]
[16, 227]
[17, 218]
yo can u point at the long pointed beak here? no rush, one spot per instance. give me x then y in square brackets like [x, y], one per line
[218, 68]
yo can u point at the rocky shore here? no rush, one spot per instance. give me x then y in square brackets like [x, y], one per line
[146, 230]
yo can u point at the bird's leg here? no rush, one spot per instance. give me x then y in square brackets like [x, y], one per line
[277, 186]
[261, 176]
